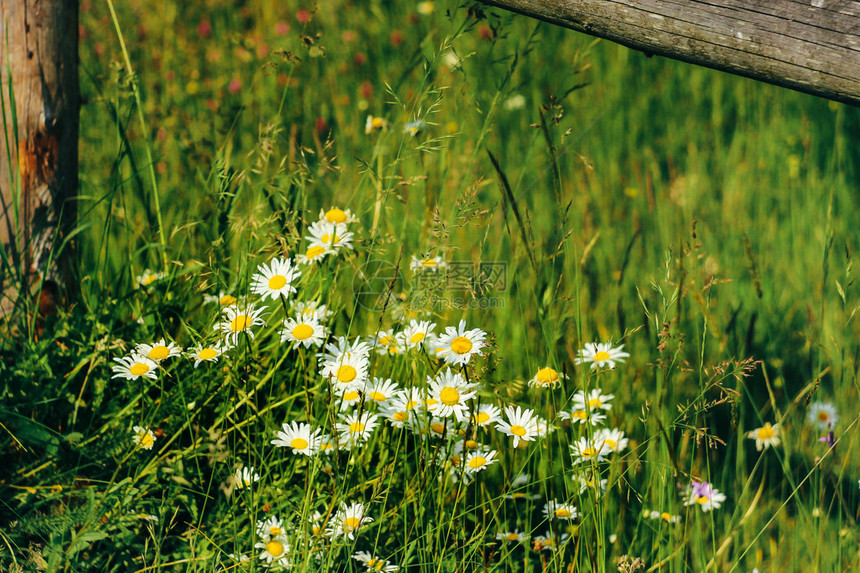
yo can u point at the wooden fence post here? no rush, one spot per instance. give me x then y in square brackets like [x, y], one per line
[811, 46]
[38, 165]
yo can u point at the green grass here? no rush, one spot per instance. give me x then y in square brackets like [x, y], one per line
[702, 220]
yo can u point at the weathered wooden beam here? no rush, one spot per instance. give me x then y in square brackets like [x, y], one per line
[39, 166]
[811, 46]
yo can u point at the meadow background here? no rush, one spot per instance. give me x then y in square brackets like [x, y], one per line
[704, 221]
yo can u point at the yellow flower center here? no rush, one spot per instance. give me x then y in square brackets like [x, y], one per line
[385, 340]
[240, 323]
[377, 396]
[356, 427]
[512, 536]
[580, 414]
[139, 369]
[299, 443]
[702, 499]
[823, 416]
[477, 462]
[589, 452]
[351, 523]
[449, 396]
[275, 530]
[314, 252]
[665, 516]
[227, 300]
[146, 440]
[150, 279]
[471, 444]
[277, 282]
[546, 376]
[350, 396]
[159, 352]
[562, 512]
[399, 416]
[518, 431]
[429, 263]
[461, 345]
[595, 403]
[346, 373]
[377, 122]
[207, 354]
[303, 331]
[411, 404]
[766, 432]
[610, 443]
[481, 418]
[431, 401]
[335, 216]
[438, 427]
[417, 337]
[330, 238]
[601, 356]
[275, 548]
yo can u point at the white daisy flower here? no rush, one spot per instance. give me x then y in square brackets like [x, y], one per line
[134, 367]
[480, 460]
[520, 424]
[272, 527]
[515, 536]
[348, 520]
[327, 445]
[244, 477]
[300, 438]
[663, 516]
[459, 344]
[584, 482]
[387, 342]
[582, 416]
[341, 347]
[349, 397]
[159, 351]
[450, 393]
[586, 451]
[549, 542]
[329, 235]
[486, 415]
[822, 414]
[275, 551]
[349, 372]
[428, 264]
[401, 407]
[414, 335]
[338, 216]
[375, 124]
[556, 510]
[305, 331]
[380, 390]
[221, 299]
[702, 494]
[313, 254]
[356, 428]
[765, 437]
[275, 279]
[600, 354]
[610, 440]
[311, 309]
[547, 377]
[205, 353]
[143, 437]
[594, 400]
[374, 564]
[238, 320]
[148, 277]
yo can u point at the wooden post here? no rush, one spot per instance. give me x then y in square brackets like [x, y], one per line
[811, 46]
[39, 167]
